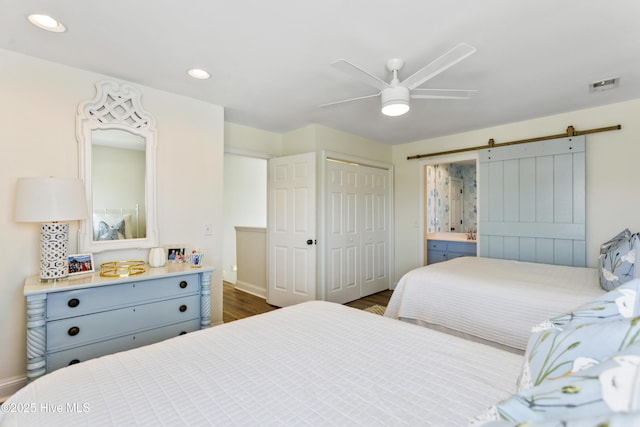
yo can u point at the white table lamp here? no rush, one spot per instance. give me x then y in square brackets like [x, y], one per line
[51, 201]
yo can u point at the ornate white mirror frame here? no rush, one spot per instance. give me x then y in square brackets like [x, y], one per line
[116, 106]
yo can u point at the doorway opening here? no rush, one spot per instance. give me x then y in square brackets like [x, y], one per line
[449, 202]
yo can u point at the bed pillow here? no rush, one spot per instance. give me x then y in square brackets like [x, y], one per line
[617, 260]
[555, 353]
[113, 221]
[610, 386]
[110, 232]
[620, 303]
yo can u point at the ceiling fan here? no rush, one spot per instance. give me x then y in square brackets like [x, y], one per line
[395, 95]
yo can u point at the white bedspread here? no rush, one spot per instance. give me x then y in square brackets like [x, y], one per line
[493, 299]
[315, 363]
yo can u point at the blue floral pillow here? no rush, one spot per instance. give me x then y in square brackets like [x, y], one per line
[617, 260]
[610, 386]
[554, 353]
[620, 303]
[612, 419]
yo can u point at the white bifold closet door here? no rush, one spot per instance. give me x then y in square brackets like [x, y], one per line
[532, 202]
[357, 231]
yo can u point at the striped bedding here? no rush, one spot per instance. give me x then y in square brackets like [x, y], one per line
[315, 363]
[496, 301]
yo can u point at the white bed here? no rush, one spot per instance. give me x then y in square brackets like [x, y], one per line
[492, 300]
[315, 363]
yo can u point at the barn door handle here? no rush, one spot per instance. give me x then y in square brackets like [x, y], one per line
[312, 242]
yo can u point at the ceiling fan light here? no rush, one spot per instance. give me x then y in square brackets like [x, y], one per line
[396, 108]
[395, 101]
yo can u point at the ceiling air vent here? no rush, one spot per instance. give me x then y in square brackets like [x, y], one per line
[602, 85]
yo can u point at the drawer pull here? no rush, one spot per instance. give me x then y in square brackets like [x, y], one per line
[73, 362]
[183, 333]
[183, 284]
[73, 331]
[183, 308]
[73, 302]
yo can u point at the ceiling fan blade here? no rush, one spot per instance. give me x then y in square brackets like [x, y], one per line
[441, 93]
[360, 74]
[350, 100]
[436, 67]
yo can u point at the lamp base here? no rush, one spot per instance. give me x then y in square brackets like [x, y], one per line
[54, 251]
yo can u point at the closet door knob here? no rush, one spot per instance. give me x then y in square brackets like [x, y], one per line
[183, 308]
[74, 302]
[73, 331]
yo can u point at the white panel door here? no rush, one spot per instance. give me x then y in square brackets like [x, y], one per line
[357, 231]
[375, 229]
[532, 202]
[291, 230]
[343, 236]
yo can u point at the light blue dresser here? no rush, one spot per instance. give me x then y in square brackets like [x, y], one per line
[89, 316]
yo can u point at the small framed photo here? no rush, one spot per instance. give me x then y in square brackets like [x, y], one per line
[81, 264]
[176, 253]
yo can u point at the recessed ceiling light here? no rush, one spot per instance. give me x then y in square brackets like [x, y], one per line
[46, 22]
[198, 73]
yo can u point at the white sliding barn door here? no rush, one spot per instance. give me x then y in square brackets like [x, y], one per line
[532, 202]
[357, 231]
[291, 226]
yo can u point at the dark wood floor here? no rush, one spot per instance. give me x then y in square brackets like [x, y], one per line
[237, 304]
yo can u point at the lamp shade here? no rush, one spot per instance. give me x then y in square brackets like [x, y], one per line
[50, 199]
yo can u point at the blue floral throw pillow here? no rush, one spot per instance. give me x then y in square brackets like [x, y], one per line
[617, 260]
[612, 419]
[621, 303]
[554, 353]
[612, 386]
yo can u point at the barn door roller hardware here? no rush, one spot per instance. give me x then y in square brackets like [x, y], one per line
[571, 131]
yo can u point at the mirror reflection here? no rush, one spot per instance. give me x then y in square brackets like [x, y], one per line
[451, 199]
[118, 185]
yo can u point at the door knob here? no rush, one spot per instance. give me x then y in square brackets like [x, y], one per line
[311, 242]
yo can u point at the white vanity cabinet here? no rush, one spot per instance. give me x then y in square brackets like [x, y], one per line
[89, 316]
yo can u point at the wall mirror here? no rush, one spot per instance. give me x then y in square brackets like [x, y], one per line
[117, 149]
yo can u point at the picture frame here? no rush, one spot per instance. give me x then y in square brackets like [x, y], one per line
[81, 264]
[176, 253]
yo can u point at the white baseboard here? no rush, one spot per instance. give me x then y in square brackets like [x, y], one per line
[9, 386]
[251, 289]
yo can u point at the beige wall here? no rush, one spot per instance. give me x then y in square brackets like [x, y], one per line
[244, 140]
[37, 136]
[611, 164]
[317, 138]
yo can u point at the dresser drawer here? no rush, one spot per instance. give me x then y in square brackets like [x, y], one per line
[75, 331]
[64, 358]
[101, 298]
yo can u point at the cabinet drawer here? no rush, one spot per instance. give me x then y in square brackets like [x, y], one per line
[436, 256]
[75, 331]
[461, 248]
[438, 245]
[64, 358]
[101, 298]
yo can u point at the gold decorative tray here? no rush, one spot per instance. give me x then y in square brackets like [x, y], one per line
[122, 268]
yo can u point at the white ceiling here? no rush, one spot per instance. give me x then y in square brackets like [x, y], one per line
[270, 60]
